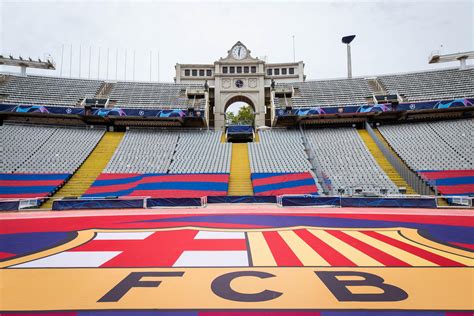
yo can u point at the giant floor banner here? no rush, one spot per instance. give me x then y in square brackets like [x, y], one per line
[237, 264]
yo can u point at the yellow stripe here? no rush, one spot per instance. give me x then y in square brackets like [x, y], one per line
[261, 254]
[405, 256]
[351, 253]
[92, 167]
[240, 182]
[302, 250]
[413, 235]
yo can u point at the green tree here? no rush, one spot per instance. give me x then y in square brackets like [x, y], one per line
[245, 116]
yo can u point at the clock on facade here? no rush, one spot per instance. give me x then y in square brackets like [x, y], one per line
[239, 83]
[239, 52]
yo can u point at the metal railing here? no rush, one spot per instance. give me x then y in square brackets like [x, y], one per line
[314, 163]
[410, 176]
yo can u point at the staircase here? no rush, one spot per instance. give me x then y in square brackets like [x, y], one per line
[104, 90]
[239, 182]
[90, 169]
[386, 166]
[441, 202]
[377, 86]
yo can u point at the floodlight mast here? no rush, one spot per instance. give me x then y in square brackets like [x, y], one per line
[347, 40]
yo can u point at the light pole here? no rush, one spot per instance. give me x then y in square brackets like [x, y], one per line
[347, 40]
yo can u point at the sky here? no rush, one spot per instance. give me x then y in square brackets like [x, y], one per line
[391, 36]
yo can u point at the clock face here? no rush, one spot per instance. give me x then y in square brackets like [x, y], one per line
[239, 83]
[239, 52]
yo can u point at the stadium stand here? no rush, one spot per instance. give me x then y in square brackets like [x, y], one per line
[201, 152]
[279, 151]
[280, 165]
[432, 85]
[47, 90]
[144, 151]
[152, 95]
[433, 146]
[441, 152]
[343, 156]
[40, 149]
[330, 92]
[36, 160]
[166, 164]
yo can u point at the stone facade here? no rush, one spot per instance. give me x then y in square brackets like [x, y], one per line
[239, 77]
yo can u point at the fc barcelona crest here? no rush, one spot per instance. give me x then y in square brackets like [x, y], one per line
[275, 247]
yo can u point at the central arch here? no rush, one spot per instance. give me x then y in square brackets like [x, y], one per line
[240, 99]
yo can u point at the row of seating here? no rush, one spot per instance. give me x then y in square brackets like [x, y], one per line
[344, 158]
[415, 86]
[149, 151]
[441, 152]
[432, 85]
[330, 92]
[47, 90]
[156, 95]
[433, 146]
[45, 149]
[278, 151]
[144, 151]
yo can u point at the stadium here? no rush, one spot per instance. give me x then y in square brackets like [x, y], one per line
[348, 196]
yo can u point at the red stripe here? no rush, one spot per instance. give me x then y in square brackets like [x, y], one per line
[24, 195]
[373, 252]
[111, 188]
[282, 178]
[5, 255]
[304, 189]
[282, 253]
[114, 176]
[177, 193]
[453, 189]
[467, 221]
[331, 255]
[30, 183]
[439, 260]
[187, 178]
[460, 244]
[433, 175]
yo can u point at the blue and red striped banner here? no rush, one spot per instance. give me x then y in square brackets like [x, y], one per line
[451, 182]
[159, 185]
[30, 185]
[274, 184]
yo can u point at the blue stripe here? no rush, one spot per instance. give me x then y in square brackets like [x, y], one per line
[266, 175]
[36, 176]
[104, 194]
[33, 189]
[102, 183]
[198, 186]
[454, 181]
[283, 185]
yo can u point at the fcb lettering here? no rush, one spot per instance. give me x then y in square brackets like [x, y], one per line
[221, 286]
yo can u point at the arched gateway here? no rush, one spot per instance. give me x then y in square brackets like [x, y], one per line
[239, 76]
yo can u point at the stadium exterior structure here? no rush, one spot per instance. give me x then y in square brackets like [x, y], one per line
[240, 77]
